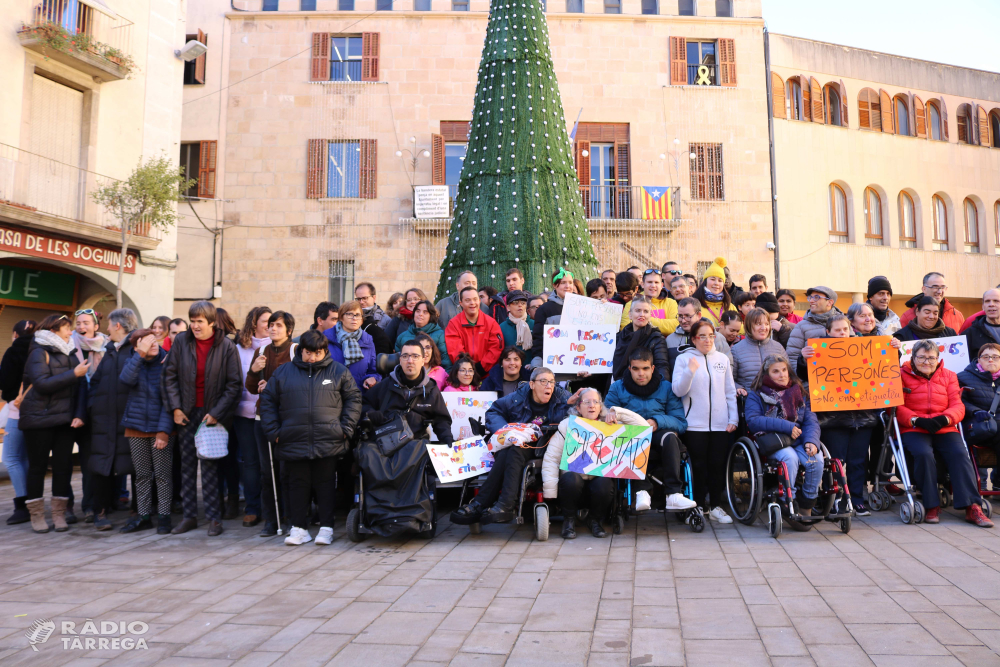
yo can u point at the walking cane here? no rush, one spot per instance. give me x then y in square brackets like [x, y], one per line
[277, 512]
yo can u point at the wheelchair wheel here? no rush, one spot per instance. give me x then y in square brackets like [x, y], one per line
[987, 508]
[907, 512]
[744, 481]
[475, 528]
[945, 497]
[875, 501]
[845, 525]
[920, 512]
[618, 525]
[354, 525]
[541, 523]
[774, 521]
[697, 520]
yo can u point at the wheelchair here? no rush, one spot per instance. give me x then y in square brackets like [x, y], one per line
[983, 457]
[752, 485]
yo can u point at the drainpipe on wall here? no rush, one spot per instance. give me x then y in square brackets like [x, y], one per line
[774, 175]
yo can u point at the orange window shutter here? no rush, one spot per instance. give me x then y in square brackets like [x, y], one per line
[698, 172]
[843, 105]
[623, 176]
[199, 62]
[320, 65]
[876, 110]
[864, 110]
[964, 134]
[369, 56]
[984, 126]
[817, 100]
[678, 61]
[437, 159]
[316, 169]
[777, 97]
[944, 118]
[919, 118]
[206, 169]
[885, 103]
[727, 62]
[806, 97]
[369, 169]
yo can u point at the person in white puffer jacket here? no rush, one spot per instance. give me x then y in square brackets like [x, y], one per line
[703, 379]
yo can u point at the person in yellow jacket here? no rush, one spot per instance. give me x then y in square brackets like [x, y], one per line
[712, 293]
[664, 316]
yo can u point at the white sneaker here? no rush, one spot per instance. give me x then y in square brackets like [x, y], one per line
[678, 501]
[719, 514]
[297, 536]
[325, 536]
[642, 501]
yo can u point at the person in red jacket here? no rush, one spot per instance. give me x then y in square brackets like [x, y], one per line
[932, 408]
[935, 287]
[474, 333]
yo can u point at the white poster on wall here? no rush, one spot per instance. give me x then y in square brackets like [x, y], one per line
[430, 202]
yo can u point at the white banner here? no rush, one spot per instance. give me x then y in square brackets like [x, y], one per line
[953, 350]
[466, 405]
[463, 459]
[571, 349]
[430, 201]
[586, 312]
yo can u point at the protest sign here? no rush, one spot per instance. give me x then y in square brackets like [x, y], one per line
[606, 450]
[953, 350]
[585, 312]
[466, 405]
[571, 349]
[853, 374]
[463, 459]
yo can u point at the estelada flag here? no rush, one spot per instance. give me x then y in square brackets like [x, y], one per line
[656, 203]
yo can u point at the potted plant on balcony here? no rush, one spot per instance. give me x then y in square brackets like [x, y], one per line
[142, 203]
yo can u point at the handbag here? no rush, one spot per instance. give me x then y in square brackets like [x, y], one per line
[211, 441]
[769, 443]
[983, 427]
[393, 434]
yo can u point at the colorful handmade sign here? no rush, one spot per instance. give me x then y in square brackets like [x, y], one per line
[853, 374]
[606, 450]
[460, 460]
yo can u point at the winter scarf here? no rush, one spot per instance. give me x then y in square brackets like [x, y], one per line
[51, 339]
[714, 298]
[350, 343]
[523, 332]
[643, 391]
[880, 315]
[936, 332]
[405, 313]
[789, 397]
[821, 318]
[94, 346]
[983, 370]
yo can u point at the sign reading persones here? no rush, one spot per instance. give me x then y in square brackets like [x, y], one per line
[42, 245]
[460, 460]
[953, 350]
[571, 348]
[853, 374]
[582, 311]
[464, 406]
[606, 450]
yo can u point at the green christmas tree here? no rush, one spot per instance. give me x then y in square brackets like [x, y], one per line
[518, 202]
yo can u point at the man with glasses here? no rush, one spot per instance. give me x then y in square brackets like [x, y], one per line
[375, 320]
[822, 304]
[539, 402]
[689, 312]
[664, 309]
[475, 333]
[985, 328]
[934, 286]
[679, 288]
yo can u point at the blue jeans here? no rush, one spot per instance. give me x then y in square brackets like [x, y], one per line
[243, 430]
[793, 457]
[15, 457]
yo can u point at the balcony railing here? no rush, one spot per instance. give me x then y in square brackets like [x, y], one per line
[55, 195]
[97, 42]
[699, 77]
[623, 202]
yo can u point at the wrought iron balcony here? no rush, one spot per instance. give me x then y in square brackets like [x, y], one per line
[36, 191]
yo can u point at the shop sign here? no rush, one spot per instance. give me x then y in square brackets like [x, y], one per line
[31, 287]
[31, 243]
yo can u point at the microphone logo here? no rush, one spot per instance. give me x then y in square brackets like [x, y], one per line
[39, 632]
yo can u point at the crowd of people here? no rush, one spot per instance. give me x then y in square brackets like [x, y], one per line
[699, 361]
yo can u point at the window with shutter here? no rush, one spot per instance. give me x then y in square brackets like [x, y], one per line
[933, 121]
[369, 56]
[582, 161]
[995, 128]
[873, 218]
[437, 159]
[885, 102]
[869, 110]
[940, 223]
[984, 126]
[199, 62]
[319, 69]
[901, 117]
[943, 106]
[806, 98]
[794, 98]
[920, 117]
[707, 182]
[817, 100]
[623, 177]
[843, 105]
[907, 222]
[964, 124]
[832, 105]
[190, 158]
[727, 62]
[316, 155]
[777, 97]
[369, 169]
[837, 227]
[206, 170]
[971, 226]
[678, 61]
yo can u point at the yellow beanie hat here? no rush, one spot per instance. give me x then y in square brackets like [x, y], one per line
[716, 269]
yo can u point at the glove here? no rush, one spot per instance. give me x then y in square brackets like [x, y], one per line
[929, 425]
[941, 421]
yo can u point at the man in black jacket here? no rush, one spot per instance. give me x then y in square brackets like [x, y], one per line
[202, 382]
[409, 390]
[309, 410]
[110, 454]
[985, 328]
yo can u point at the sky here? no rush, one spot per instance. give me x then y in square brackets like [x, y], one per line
[955, 32]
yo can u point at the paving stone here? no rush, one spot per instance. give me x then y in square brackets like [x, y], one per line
[408, 628]
[563, 612]
[902, 639]
[496, 638]
[657, 646]
[550, 649]
[721, 653]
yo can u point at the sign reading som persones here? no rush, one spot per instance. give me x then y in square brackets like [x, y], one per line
[24, 242]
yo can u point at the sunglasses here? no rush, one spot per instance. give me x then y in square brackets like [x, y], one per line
[86, 311]
[673, 272]
[649, 271]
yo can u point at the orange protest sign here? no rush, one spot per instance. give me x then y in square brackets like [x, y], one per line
[853, 374]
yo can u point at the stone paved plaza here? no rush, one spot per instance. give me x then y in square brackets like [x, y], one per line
[887, 594]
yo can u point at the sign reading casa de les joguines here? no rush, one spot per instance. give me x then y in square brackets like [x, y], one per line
[31, 243]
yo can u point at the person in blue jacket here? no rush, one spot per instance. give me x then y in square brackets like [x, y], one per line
[352, 346]
[425, 321]
[508, 375]
[778, 404]
[539, 402]
[645, 393]
[148, 424]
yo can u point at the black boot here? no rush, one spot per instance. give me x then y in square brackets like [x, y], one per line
[70, 516]
[497, 514]
[136, 523]
[569, 528]
[21, 514]
[163, 524]
[468, 514]
[270, 529]
[596, 529]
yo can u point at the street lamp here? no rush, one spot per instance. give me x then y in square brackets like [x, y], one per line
[414, 155]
